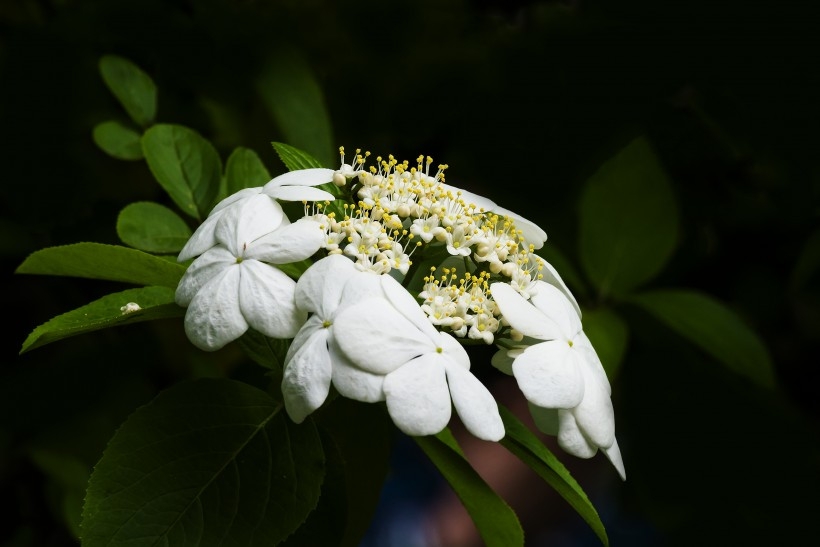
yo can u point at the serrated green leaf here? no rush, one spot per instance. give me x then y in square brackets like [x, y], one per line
[154, 303]
[186, 165]
[294, 99]
[244, 169]
[495, 520]
[714, 327]
[207, 462]
[520, 441]
[609, 335]
[118, 140]
[628, 220]
[152, 227]
[293, 158]
[132, 87]
[102, 261]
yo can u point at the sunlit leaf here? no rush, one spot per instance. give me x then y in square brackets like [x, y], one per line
[495, 520]
[118, 140]
[714, 327]
[295, 159]
[102, 261]
[186, 165]
[609, 335]
[628, 220]
[152, 227]
[290, 92]
[244, 169]
[525, 445]
[131, 86]
[109, 311]
[208, 462]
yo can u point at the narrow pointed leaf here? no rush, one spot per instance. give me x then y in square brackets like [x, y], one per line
[186, 165]
[208, 462]
[109, 311]
[495, 520]
[295, 159]
[152, 227]
[118, 140]
[714, 327]
[132, 87]
[292, 95]
[102, 261]
[609, 335]
[525, 445]
[628, 220]
[243, 170]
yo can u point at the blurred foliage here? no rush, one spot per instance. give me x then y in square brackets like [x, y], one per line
[525, 101]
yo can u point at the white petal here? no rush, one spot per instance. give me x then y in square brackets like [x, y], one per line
[213, 318]
[306, 378]
[313, 324]
[202, 270]
[570, 437]
[583, 344]
[474, 404]
[502, 361]
[300, 177]
[408, 306]
[531, 232]
[595, 415]
[550, 275]
[549, 374]
[234, 198]
[417, 397]
[319, 289]
[471, 198]
[554, 304]
[300, 193]
[266, 300]
[203, 238]
[453, 349]
[613, 453]
[290, 243]
[522, 315]
[377, 338]
[546, 419]
[247, 221]
[353, 382]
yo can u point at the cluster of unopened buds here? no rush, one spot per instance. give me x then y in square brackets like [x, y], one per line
[404, 271]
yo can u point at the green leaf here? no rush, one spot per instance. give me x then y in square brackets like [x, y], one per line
[266, 352]
[152, 227]
[712, 326]
[154, 303]
[294, 99]
[520, 441]
[609, 335]
[208, 462]
[118, 140]
[101, 261]
[295, 159]
[495, 520]
[186, 165]
[244, 169]
[807, 264]
[131, 86]
[628, 220]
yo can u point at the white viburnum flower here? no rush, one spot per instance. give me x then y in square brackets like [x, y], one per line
[292, 186]
[426, 372]
[560, 375]
[313, 360]
[234, 284]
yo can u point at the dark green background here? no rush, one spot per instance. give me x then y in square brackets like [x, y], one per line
[524, 100]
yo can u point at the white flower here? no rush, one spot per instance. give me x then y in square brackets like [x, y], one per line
[292, 186]
[425, 372]
[233, 285]
[561, 376]
[313, 359]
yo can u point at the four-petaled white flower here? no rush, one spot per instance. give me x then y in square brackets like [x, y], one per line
[425, 372]
[561, 376]
[233, 284]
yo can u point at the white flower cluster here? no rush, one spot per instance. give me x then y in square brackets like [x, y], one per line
[356, 326]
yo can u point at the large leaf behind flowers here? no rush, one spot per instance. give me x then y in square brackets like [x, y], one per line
[208, 462]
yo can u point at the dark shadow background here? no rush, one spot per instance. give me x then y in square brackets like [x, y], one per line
[524, 100]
